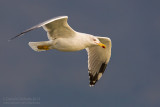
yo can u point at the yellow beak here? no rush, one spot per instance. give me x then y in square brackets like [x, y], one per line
[102, 45]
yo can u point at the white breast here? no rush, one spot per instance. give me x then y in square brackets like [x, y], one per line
[69, 44]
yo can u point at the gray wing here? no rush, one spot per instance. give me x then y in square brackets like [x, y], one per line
[98, 59]
[56, 28]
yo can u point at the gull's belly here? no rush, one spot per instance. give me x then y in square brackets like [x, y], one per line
[68, 45]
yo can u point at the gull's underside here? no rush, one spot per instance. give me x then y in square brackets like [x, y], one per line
[63, 38]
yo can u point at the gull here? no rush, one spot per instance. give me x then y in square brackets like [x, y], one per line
[63, 38]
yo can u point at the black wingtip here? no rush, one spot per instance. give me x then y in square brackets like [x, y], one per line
[32, 28]
[94, 78]
[92, 84]
[15, 37]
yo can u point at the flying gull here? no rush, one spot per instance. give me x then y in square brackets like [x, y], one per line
[63, 38]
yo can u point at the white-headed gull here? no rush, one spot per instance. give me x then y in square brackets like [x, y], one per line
[63, 38]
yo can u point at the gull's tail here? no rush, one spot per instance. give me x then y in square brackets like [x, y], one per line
[40, 46]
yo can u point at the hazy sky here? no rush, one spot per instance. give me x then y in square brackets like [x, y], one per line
[60, 79]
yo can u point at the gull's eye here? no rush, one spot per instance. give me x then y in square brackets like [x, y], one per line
[94, 39]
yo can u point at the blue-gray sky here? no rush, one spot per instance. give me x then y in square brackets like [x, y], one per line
[61, 79]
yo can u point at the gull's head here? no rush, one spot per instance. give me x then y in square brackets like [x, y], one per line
[96, 41]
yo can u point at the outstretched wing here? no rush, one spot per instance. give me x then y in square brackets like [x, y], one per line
[56, 28]
[98, 59]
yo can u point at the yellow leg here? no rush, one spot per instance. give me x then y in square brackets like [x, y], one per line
[43, 47]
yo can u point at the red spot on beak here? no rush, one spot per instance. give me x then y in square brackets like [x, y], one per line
[103, 46]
